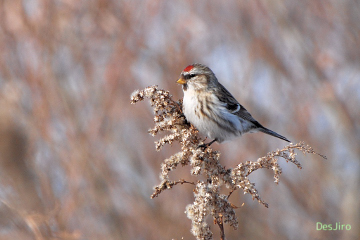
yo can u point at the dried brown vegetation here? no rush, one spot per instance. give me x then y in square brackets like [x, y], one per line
[206, 162]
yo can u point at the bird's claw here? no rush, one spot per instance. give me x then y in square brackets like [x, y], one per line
[203, 146]
[206, 145]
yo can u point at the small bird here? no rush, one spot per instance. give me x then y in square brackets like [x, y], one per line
[211, 108]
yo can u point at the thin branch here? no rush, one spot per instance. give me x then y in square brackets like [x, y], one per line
[219, 222]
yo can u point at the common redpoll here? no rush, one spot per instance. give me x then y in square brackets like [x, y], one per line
[212, 109]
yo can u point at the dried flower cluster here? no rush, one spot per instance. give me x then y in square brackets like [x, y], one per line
[208, 200]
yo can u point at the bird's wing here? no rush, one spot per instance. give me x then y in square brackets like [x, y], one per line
[233, 106]
[230, 103]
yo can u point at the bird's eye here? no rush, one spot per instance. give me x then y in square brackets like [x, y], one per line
[190, 76]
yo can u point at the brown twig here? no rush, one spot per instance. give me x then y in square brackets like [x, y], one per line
[220, 223]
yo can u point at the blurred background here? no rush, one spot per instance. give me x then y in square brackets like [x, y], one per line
[76, 161]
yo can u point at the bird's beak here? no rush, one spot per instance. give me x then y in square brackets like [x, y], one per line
[181, 81]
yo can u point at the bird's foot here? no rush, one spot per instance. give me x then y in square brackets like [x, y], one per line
[203, 146]
[206, 145]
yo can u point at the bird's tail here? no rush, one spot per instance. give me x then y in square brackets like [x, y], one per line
[272, 133]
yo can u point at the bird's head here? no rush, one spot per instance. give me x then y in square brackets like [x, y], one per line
[198, 77]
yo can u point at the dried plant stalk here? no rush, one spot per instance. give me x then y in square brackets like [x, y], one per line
[208, 200]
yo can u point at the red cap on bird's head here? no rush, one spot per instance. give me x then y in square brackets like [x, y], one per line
[188, 68]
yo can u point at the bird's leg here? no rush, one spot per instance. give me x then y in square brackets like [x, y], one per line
[205, 145]
[211, 142]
